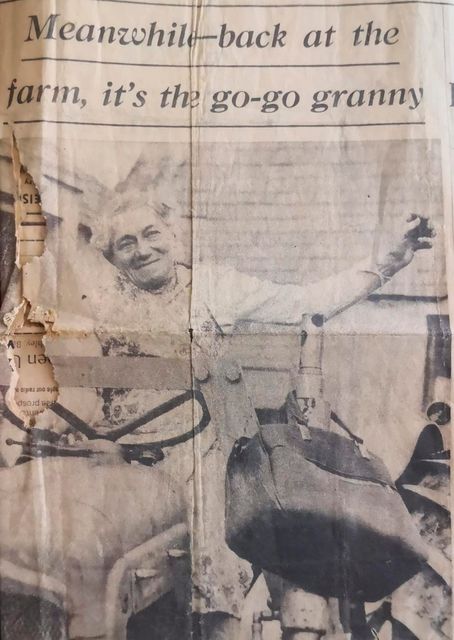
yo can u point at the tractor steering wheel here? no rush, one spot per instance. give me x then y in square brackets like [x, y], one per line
[44, 443]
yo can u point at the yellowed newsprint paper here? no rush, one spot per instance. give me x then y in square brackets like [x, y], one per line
[225, 351]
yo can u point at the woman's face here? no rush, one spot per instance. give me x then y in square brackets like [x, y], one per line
[141, 247]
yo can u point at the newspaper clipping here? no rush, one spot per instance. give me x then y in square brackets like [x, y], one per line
[225, 357]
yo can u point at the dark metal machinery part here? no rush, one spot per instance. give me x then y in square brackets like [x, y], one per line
[23, 617]
[426, 463]
[428, 467]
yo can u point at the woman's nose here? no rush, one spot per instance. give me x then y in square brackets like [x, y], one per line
[143, 247]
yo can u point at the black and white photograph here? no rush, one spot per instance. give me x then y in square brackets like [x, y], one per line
[226, 397]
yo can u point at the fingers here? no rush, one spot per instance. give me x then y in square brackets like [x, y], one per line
[428, 227]
[420, 227]
[70, 438]
[423, 244]
[414, 224]
[66, 439]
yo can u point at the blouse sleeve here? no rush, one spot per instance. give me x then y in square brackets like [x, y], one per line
[230, 296]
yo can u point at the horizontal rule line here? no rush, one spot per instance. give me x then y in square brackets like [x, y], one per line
[208, 66]
[216, 126]
[307, 5]
[296, 5]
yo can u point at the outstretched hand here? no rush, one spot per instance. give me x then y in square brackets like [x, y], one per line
[419, 230]
[416, 237]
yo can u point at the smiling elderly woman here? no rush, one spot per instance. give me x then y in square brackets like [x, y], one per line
[138, 238]
[157, 299]
[142, 253]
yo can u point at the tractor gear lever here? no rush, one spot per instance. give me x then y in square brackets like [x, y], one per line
[308, 385]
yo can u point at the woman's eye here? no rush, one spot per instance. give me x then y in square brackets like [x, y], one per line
[125, 245]
[151, 234]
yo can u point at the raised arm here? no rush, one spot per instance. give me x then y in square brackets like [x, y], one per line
[349, 287]
[234, 296]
